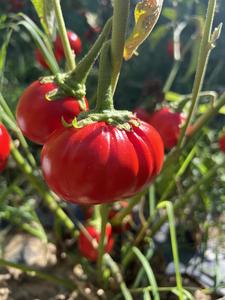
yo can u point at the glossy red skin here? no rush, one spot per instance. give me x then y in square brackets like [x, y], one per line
[100, 163]
[85, 246]
[168, 124]
[74, 40]
[37, 117]
[4, 146]
[41, 61]
[142, 114]
[222, 143]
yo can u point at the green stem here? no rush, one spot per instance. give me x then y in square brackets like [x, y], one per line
[102, 241]
[180, 204]
[118, 276]
[205, 50]
[58, 281]
[120, 18]
[170, 212]
[172, 76]
[11, 119]
[104, 92]
[43, 191]
[212, 111]
[117, 220]
[83, 68]
[70, 56]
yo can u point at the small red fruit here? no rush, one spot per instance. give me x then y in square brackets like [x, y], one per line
[74, 40]
[85, 245]
[142, 114]
[222, 143]
[100, 163]
[38, 118]
[41, 61]
[4, 146]
[168, 124]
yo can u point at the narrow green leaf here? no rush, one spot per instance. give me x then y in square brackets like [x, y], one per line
[149, 272]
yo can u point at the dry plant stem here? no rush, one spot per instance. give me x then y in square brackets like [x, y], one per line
[70, 56]
[38, 184]
[102, 242]
[32, 272]
[120, 17]
[205, 50]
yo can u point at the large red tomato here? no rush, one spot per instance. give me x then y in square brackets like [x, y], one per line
[168, 124]
[37, 117]
[85, 244]
[74, 40]
[100, 163]
[4, 146]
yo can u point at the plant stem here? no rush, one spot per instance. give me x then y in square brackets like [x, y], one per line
[117, 220]
[178, 205]
[83, 68]
[170, 212]
[172, 76]
[38, 184]
[118, 276]
[104, 91]
[120, 18]
[58, 281]
[70, 56]
[205, 49]
[101, 245]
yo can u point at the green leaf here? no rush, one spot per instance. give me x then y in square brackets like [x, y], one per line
[46, 14]
[149, 272]
[146, 15]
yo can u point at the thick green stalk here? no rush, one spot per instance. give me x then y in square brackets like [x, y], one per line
[83, 68]
[102, 241]
[205, 50]
[104, 91]
[120, 18]
[38, 184]
[70, 56]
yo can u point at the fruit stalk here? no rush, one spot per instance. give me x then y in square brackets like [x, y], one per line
[70, 56]
[120, 18]
[101, 246]
[207, 44]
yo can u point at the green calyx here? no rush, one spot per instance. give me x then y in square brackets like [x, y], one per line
[63, 90]
[123, 120]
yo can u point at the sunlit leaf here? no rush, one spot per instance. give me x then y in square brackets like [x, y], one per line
[146, 15]
[46, 14]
